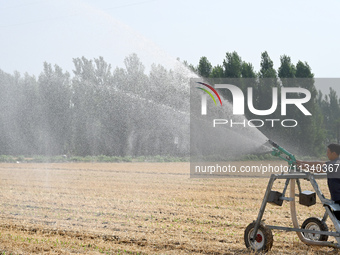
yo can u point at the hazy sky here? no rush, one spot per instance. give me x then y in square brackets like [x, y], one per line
[56, 31]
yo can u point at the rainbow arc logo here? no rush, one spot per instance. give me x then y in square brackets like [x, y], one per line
[209, 93]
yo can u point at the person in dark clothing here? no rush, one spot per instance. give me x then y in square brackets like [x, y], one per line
[332, 168]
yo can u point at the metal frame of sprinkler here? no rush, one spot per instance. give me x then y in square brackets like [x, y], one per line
[314, 231]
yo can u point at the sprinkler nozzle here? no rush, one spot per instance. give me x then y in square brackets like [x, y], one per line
[273, 144]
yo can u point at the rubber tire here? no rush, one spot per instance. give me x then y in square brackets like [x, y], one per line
[264, 238]
[315, 222]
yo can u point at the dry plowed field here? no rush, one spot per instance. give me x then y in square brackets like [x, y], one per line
[136, 208]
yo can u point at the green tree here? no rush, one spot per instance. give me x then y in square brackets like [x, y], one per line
[136, 79]
[91, 82]
[30, 117]
[204, 67]
[247, 70]
[311, 132]
[269, 80]
[334, 116]
[286, 69]
[217, 72]
[55, 96]
[20, 114]
[286, 72]
[303, 70]
[267, 67]
[232, 65]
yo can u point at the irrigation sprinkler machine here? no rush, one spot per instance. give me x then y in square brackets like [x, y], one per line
[314, 231]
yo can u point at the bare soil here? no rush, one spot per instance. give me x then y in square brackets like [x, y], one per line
[137, 208]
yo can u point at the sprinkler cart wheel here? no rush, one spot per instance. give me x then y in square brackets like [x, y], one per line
[315, 224]
[263, 240]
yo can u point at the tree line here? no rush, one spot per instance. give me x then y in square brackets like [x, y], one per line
[96, 111]
[313, 132]
[99, 110]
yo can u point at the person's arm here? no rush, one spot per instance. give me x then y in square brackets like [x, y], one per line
[311, 166]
